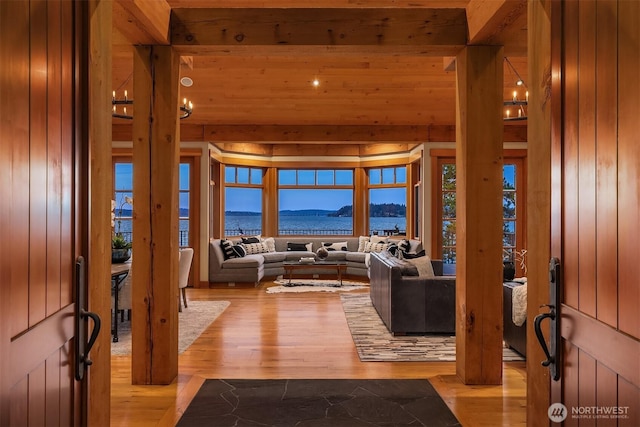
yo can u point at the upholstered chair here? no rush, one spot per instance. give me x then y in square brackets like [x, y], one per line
[186, 257]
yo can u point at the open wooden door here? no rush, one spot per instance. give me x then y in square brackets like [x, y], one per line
[43, 222]
[596, 212]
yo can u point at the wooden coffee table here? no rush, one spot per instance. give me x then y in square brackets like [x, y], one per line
[290, 267]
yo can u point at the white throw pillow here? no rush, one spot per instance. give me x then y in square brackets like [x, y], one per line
[362, 240]
[375, 247]
[271, 244]
[255, 248]
[337, 246]
[379, 239]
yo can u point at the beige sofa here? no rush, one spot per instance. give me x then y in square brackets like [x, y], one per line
[252, 268]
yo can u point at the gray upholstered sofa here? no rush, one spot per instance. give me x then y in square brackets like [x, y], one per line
[411, 303]
[253, 267]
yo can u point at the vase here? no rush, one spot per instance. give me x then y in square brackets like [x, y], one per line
[119, 256]
[322, 253]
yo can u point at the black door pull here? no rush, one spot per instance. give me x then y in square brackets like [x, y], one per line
[82, 347]
[552, 352]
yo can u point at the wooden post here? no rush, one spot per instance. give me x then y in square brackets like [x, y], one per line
[155, 215]
[479, 215]
[539, 202]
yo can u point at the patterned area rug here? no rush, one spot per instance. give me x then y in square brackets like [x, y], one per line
[375, 343]
[192, 322]
[314, 285]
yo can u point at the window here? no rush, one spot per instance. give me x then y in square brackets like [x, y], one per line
[513, 207]
[315, 201]
[184, 204]
[243, 200]
[122, 197]
[388, 200]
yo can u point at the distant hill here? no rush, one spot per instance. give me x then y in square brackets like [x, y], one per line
[375, 210]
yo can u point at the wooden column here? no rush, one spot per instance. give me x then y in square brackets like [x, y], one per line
[539, 202]
[155, 215]
[479, 215]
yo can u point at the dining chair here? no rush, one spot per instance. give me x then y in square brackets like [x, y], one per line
[184, 266]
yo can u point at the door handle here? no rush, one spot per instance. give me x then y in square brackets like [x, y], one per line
[552, 352]
[82, 347]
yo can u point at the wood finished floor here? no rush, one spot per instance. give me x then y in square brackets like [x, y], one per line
[297, 336]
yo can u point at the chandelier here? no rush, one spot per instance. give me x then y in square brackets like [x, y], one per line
[516, 107]
[186, 109]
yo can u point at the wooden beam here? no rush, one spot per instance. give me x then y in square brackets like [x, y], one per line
[143, 22]
[282, 134]
[479, 164]
[539, 202]
[231, 27]
[98, 69]
[498, 22]
[156, 155]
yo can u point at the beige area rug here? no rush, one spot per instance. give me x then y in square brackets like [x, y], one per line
[375, 343]
[314, 285]
[192, 322]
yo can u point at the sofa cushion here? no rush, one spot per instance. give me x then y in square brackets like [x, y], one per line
[270, 257]
[406, 268]
[356, 256]
[249, 261]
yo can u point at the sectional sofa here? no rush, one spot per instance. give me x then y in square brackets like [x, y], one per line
[274, 251]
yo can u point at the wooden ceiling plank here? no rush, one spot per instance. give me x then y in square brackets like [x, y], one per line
[319, 27]
[143, 22]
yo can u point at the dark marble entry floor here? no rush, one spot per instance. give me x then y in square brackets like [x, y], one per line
[311, 403]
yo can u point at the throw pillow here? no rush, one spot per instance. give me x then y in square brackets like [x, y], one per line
[375, 247]
[230, 251]
[362, 240]
[255, 248]
[271, 244]
[254, 239]
[337, 246]
[379, 239]
[394, 250]
[423, 264]
[409, 255]
[304, 247]
[404, 245]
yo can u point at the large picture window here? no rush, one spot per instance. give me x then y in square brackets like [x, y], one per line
[243, 200]
[315, 201]
[388, 200]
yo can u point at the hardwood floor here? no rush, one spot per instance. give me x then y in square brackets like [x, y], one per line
[302, 335]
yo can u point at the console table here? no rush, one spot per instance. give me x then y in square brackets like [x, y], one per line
[119, 272]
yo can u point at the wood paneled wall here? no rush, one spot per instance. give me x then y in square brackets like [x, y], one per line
[601, 211]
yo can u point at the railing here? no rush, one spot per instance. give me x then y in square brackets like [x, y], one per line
[311, 232]
[183, 237]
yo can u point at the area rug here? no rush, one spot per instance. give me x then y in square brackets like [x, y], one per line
[192, 322]
[312, 403]
[375, 343]
[314, 285]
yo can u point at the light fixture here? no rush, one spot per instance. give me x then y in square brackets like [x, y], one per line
[516, 107]
[186, 108]
[186, 81]
[315, 82]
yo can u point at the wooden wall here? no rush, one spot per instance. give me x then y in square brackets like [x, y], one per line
[601, 212]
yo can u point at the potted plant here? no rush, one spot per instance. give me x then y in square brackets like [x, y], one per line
[120, 247]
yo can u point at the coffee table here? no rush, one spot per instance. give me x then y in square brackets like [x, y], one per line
[290, 267]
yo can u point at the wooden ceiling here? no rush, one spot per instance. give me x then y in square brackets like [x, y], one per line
[381, 70]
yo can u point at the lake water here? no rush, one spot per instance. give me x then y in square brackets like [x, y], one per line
[309, 225]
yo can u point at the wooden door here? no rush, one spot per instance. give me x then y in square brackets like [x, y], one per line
[39, 231]
[596, 230]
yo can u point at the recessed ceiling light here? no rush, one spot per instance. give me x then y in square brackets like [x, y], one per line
[186, 81]
[316, 82]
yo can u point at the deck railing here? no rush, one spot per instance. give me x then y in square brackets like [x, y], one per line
[183, 237]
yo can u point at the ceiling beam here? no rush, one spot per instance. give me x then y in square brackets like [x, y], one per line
[271, 135]
[499, 22]
[433, 31]
[143, 22]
